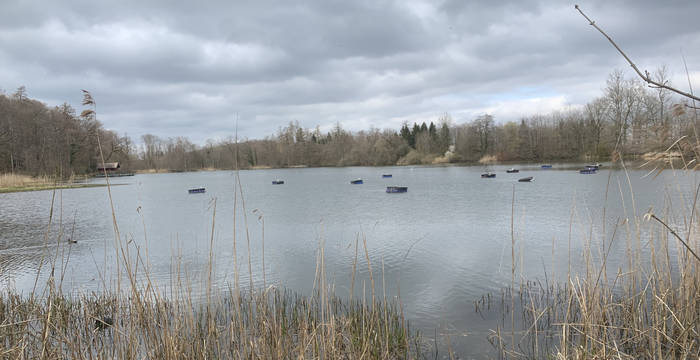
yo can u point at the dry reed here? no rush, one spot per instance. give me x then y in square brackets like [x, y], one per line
[648, 309]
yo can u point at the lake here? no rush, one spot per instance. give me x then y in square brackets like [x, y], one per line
[441, 246]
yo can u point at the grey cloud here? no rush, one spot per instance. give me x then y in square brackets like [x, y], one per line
[181, 68]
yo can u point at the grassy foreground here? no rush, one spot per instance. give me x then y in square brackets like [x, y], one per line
[267, 325]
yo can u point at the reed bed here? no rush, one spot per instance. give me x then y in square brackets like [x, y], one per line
[649, 308]
[580, 320]
[17, 180]
[264, 325]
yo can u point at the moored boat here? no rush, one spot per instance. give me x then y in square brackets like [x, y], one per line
[547, 166]
[488, 175]
[356, 181]
[277, 182]
[397, 189]
[526, 179]
[587, 171]
[198, 190]
[386, 175]
[512, 171]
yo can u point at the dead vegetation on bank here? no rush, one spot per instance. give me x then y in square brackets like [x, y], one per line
[17, 183]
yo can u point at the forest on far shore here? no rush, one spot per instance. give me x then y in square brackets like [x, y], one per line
[629, 117]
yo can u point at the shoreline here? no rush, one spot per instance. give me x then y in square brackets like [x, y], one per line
[569, 164]
[42, 187]
[564, 165]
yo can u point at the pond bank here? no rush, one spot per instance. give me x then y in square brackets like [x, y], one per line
[10, 183]
[39, 187]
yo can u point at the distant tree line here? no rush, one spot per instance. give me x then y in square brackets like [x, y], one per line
[628, 117]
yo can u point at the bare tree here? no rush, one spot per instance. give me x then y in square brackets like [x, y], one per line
[622, 96]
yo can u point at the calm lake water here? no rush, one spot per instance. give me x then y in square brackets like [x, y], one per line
[442, 245]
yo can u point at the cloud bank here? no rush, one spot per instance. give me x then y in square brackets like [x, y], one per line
[179, 68]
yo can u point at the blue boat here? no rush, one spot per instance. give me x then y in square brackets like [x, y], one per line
[277, 182]
[546, 166]
[199, 190]
[356, 182]
[386, 175]
[396, 189]
[587, 171]
[488, 175]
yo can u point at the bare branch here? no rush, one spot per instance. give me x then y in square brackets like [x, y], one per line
[646, 77]
[673, 232]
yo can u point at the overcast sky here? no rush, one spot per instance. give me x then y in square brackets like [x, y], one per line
[190, 68]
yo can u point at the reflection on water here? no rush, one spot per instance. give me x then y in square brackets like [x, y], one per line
[442, 245]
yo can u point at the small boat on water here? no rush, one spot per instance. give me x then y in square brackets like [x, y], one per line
[396, 189]
[356, 182]
[547, 166]
[587, 171]
[526, 179]
[593, 167]
[488, 175]
[512, 171]
[386, 175]
[199, 190]
[277, 182]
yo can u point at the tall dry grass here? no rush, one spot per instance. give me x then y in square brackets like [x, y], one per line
[649, 308]
[272, 324]
[17, 180]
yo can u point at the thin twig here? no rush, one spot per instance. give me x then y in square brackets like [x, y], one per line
[676, 235]
[646, 77]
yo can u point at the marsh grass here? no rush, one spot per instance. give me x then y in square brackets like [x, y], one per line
[12, 180]
[648, 308]
[17, 182]
[277, 324]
